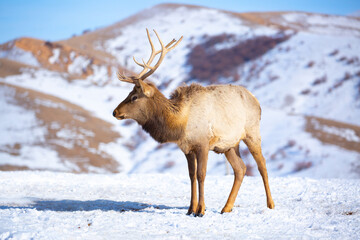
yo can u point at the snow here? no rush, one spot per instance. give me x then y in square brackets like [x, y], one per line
[72, 55]
[19, 55]
[194, 25]
[285, 145]
[70, 137]
[55, 57]
[294, 76]
[78, 65]
[100, 75]
[324, 24]
[35, 157]
[26, 121]
[47, 205]
[27, 133]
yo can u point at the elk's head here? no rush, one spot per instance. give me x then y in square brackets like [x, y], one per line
[137, 105]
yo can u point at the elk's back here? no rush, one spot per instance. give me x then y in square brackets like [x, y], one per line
[220, 115]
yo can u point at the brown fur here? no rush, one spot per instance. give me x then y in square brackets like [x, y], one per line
[185, 92]
[162, 124]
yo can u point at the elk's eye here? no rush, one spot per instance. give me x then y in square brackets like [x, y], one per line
[133, 98]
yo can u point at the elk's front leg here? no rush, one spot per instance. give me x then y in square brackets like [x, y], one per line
[191, 159]
[201, 159]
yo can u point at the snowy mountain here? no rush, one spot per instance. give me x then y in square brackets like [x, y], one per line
[304, 68]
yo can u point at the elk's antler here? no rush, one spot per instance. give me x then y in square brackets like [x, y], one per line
[148, 69]
[124, 78]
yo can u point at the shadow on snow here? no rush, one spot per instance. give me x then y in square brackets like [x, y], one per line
[93, 205]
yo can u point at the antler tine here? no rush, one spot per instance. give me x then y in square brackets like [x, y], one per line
[170, 43]
[147, 66]
[144, 65]
[151, 43]
[147, 69]
[123, 78]
[140, 64]
[152, 56]
[173, 41]
[167, 47]
[164, 50]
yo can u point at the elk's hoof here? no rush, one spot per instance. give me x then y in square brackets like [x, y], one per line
[226, 210]
[190, 212]
[271, 205]
[200, 212]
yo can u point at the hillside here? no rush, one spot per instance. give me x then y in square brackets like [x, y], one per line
[45, 132]
[43, 205]
[304, 68]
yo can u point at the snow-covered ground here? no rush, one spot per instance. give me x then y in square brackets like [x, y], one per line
[47, 205]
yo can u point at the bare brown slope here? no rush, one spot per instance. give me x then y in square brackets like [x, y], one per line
[333, 132]
[44, 50]
[269, 19]
[84, 132]
[9, 67]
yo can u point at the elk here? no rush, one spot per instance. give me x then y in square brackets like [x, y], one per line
[198, 119]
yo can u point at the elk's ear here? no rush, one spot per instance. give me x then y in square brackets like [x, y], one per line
[146, 88]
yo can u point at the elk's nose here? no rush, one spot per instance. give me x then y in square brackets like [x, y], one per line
[114, 113]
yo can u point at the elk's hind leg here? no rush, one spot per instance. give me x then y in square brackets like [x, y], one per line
[191, 159]
[233, 156]
[253, 142]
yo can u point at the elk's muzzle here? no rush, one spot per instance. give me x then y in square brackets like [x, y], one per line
[116, 115]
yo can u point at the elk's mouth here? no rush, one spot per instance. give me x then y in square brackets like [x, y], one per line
[121, 117]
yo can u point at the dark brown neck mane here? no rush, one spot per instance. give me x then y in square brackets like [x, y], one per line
[166, 123]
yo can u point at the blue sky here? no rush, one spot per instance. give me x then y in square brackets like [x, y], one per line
[56, 20]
